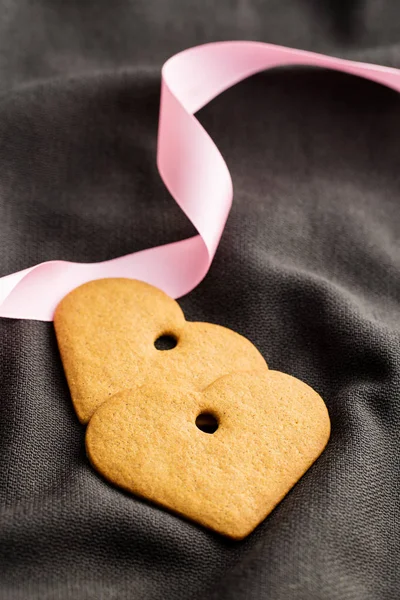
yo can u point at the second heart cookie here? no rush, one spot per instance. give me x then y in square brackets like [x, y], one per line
[106, 332]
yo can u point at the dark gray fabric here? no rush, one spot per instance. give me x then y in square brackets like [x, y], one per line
[308, 269]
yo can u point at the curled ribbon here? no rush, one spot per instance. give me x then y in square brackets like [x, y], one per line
[192, 169]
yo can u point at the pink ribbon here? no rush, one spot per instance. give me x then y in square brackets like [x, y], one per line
[191, 167]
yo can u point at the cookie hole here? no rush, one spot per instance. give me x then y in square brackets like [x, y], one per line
[207, 423]
[165, 342]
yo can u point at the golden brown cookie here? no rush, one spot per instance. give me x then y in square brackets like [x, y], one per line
[106, 330]
[271, 428]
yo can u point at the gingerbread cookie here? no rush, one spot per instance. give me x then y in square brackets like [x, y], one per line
[270, 428]
[106, 332]
[203, 429]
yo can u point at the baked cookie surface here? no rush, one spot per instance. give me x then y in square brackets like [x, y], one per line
[271, 428]
[106, 332]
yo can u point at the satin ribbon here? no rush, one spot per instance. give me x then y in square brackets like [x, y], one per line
[192, 169]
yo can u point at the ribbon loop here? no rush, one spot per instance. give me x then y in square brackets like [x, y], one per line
[192, 169]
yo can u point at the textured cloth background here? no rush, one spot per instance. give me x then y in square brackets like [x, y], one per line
[308, 269]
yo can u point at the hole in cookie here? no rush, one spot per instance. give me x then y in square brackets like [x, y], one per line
[165, 342]
[207, 422]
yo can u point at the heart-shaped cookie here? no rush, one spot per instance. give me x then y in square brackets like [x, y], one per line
[106, 332]
[271, 428]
